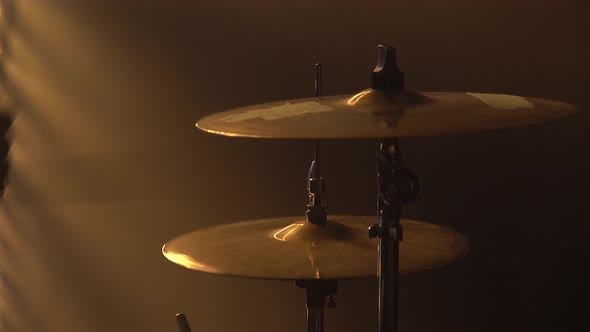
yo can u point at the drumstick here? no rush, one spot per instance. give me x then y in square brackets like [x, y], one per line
[182, 323]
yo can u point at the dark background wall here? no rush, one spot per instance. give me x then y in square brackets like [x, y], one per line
[107, 165]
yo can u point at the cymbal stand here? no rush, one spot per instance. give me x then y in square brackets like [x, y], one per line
[319, 293]
[316, 185]
[396, 185]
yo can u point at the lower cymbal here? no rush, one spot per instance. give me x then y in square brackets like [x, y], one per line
[292, 248]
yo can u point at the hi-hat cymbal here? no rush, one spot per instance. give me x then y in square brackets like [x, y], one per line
[292, 248]
[373, 113]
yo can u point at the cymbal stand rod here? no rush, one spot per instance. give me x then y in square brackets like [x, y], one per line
[318, 293]
[388, 242]
[318, 93]
[315, 319]
[396, 185]
[316, 186]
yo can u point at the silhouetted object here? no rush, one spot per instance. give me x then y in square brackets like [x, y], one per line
[182, 323]
[5, 124]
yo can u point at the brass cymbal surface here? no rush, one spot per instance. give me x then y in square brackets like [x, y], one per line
[373, 114]
[291, 248]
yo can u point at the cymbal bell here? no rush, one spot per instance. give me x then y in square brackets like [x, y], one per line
[291, 248]
[374, 113]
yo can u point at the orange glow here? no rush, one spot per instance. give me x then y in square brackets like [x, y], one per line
[283, 233]
[182, 259]
[354, 99]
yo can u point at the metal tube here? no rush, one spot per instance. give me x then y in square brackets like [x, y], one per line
[389, 224]
[315, 319]
[318, 93]
[316, 158]
[317, 291]
[388, 276]
[318, 79]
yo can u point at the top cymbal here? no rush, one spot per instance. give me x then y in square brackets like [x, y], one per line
[373, 113]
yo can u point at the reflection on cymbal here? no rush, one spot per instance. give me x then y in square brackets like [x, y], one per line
[292, 248]
[373, 113]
